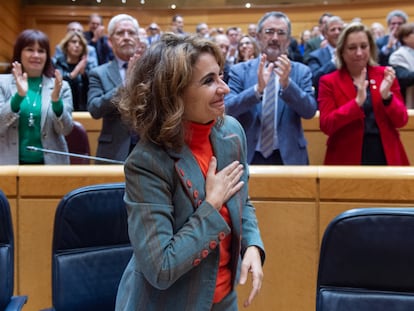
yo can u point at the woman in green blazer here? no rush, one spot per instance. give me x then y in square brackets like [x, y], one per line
[192, 227]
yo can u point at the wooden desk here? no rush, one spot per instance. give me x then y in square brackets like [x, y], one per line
[294, 204]
[316, 139]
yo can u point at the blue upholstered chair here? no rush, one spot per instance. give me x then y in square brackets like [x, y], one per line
[8, 302]
[367, 261]
[91, 248]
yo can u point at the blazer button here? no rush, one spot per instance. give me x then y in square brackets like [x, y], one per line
[204, 253]
[213, 244]
[199, 202]
[221, 236]
[196, 262]
[195, 194]
[181, 172]
[189, 184]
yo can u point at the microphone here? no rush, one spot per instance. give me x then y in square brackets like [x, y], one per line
[33, 148]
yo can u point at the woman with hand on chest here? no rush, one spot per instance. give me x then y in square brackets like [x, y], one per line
[191, 224]
[35, 105]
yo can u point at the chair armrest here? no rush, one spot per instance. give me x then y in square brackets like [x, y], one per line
[16, 303]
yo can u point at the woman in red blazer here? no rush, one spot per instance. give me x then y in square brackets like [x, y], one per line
[361, 107]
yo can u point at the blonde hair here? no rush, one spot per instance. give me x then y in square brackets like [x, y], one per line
[65, 42]
[340, 46]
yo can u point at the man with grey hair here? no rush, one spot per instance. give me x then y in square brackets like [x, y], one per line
[270, 94]
[115, 140]
[323, 60]
[389, 43]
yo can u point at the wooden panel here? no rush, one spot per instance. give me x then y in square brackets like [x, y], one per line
[8, 180]
[291, 242]
[375, 184]
[294, 182]
[36, 218]
[57, 180]
[10, 24]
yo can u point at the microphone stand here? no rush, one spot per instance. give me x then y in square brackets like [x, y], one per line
[33, 148]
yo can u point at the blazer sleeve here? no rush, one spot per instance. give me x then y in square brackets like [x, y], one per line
[64, 123]
[7, 116]
[336, 113]
[242, 96]
[100, 93]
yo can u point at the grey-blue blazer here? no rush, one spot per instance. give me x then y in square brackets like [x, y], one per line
[114, 139]
[174, 232]
[295, 102]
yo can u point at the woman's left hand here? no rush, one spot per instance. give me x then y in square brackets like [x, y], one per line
[389, 76]
[252, 262]
[57, 87]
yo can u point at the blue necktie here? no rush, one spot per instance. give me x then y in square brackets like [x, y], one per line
[268, 117]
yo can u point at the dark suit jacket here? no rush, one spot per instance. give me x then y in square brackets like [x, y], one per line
[320, 63]
[114, 139]
[311, 45]
[294, 103]
[383, 58]
[174, 232]
[343, 120]
[103, 50]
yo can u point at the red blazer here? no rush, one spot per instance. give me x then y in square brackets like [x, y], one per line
[343, 120]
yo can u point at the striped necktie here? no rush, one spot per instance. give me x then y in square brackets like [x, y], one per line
[268, 118]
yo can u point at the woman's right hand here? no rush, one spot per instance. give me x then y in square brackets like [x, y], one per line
[361, 84]
[21, 79]
[221, 186]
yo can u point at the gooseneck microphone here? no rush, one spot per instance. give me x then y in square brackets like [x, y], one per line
[33, 148]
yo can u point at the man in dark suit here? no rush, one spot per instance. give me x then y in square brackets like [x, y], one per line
[322, 60]
[318, 41]
[389, 43]
[272, 91]
[115, 139]
[97, 38]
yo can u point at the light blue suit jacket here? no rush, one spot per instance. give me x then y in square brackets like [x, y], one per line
[114, 139]
[295, 102]
[174, 232]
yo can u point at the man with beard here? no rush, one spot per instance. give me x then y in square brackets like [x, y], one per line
[115, 140]
[270, 94]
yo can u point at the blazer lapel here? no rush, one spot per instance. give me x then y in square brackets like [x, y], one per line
[347, 85]
[227, 148]
[113, 73]
[191, 177]
[47, 89]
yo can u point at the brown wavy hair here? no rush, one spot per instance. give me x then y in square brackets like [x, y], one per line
[151, 101]
[29, 37]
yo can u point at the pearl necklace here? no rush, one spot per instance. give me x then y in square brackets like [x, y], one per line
[31, 119]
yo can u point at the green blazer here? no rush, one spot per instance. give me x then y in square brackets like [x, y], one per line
[174, 232]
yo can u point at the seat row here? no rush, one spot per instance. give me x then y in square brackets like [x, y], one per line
[365, 257]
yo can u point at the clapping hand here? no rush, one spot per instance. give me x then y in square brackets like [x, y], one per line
[386, 83]
[21, 79]
[361, 84]
[57, 87]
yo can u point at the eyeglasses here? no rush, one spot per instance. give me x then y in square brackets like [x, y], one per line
[272, 31]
